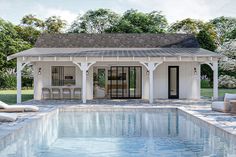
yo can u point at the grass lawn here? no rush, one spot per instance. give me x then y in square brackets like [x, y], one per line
[9, 96]
[208, 92]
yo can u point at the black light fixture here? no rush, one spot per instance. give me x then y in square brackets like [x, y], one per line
[87, 72]
[147, 72]
[39, 71]
[195, 71]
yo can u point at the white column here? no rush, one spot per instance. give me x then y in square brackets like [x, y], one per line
[151, 66]
[19, 67]
[215, 80]
[84, 67]
[151, 69]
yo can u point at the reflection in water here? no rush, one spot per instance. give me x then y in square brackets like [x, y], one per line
[157, 133]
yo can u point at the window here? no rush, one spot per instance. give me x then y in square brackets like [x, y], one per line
[63, 75]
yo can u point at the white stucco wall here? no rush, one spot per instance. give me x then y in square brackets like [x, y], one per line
[189, 84]
[44, 80]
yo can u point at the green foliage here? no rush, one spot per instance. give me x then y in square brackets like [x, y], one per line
[192, 26]
[137, 22]
[232, 34]
[206, 84]
[224, 26]
[189, 26]
[10, 43]
[32, 21]
[7, 80]
[28, 33]
[226, 81]
[94, 21]
[54, 24]
[206, 41]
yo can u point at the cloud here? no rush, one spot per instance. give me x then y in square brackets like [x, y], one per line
[181, 9]
[44, 12]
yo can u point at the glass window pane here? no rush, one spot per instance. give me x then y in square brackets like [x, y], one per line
[173, 80]
[63, 75]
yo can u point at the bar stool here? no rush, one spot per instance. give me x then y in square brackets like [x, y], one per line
[56, 93]
[66, 93]
[77, 93]
[46, 93]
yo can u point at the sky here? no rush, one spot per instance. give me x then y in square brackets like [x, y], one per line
[14, 10]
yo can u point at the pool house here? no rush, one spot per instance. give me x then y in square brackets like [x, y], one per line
[116, 66]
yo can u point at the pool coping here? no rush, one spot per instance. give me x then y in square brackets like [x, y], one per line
[7, 132]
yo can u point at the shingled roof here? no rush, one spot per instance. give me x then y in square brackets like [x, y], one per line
[116, 45]
[116, 41]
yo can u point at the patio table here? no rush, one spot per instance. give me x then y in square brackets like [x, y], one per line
[233, 106]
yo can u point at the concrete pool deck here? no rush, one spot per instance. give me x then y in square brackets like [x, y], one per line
[199, 109]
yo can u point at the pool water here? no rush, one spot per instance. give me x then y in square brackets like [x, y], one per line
[167, 133]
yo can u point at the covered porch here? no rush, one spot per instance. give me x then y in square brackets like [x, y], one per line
[153, 77]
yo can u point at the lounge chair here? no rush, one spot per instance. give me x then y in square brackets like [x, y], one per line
[17, 108]
[224, 105]
[8, 117]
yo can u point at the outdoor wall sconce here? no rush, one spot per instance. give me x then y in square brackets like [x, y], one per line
[195, 71]
[39, 71]
[87, 72]
[147, 72]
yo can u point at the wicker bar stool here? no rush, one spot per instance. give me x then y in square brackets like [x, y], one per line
[46, 93]
[66, 93]
[56, 93]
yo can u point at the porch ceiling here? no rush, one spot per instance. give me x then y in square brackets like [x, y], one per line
[115, 52]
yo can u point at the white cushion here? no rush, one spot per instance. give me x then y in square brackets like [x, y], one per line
[3, 105]
[8, 117]
[229, 97]
[218, 106]
[25, 107]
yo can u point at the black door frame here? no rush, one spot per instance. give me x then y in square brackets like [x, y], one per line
[129, 96]
[177, 83]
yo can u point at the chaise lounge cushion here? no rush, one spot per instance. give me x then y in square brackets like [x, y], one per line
[223, 106]
[7, 117]
[218, 106]
[17, 108]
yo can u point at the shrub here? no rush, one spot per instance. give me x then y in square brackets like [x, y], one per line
[7, 80]
[226, 81]
[205, 84]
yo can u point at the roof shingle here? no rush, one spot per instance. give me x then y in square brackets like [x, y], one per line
[116, 41]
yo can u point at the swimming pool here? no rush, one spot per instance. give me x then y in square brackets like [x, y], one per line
[118, 133]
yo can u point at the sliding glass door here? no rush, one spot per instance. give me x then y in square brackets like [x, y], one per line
[125, 82]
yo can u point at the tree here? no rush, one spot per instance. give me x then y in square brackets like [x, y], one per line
[205, 40]
[188, 26]
[32, 21]
[227, 69]
[137, 22]
[94, 21]
[28, 33]
[224, 26]
[54, 24]
[192, 26]
[206, 36]
[232, 34]
[10, 43]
